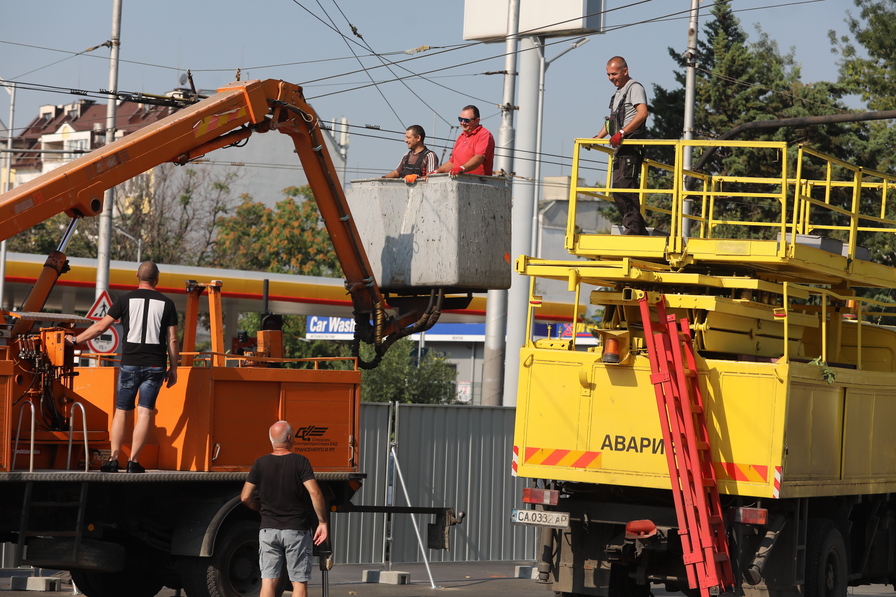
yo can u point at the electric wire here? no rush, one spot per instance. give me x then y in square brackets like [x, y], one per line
[347, 40]
[403, 82]
[379, 56]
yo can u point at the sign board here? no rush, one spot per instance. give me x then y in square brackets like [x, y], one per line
[106, 342]
[100, 307]
[486, 20]
[343, 328]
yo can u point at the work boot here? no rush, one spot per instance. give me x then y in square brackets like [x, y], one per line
[135, 467]
[110, 466]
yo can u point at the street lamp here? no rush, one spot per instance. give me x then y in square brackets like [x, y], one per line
[139, 242]
[538, 186]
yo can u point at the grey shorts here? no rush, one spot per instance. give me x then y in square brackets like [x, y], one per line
[295, 546]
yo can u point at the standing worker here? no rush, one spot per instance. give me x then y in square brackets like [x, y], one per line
[628, 115]
[418, 161]
[474, 150]
[149, 319]
[284, 480]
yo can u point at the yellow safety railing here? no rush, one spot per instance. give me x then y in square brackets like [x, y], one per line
[824, 194]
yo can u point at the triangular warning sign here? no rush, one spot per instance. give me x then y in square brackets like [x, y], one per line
[100, 307]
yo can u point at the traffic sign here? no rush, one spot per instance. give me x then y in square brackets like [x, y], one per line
[106, 342]
[100, 307]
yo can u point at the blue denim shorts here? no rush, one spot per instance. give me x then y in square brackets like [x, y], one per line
[274, 544]
[132, 379]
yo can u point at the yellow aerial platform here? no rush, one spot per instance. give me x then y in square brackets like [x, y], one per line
[800, 385]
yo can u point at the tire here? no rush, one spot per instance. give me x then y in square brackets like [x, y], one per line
[827, 571]
[116, 584]
[232, 570]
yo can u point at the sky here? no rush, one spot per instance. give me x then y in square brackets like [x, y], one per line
[298, 41]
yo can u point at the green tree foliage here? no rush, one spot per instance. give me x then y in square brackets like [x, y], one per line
[400, 378]
[289, 238]
[872, 77]
[740, 82]
[172, 210]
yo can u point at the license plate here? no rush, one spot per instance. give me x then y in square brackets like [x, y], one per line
[541, 518]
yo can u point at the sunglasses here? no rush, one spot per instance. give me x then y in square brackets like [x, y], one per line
[465, 120]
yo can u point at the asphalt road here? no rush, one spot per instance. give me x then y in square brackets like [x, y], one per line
[469, 578]
[495, 579]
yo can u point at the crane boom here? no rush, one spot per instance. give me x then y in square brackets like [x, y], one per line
[237, 111]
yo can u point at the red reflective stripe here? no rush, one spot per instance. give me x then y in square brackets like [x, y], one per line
[555, 457]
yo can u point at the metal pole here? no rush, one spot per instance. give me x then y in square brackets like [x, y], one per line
[407, 499]
[539, 185]
[690, 93]
[531, 53]
[7, 183]
[542, 70]
[104, 254]
[496, 309]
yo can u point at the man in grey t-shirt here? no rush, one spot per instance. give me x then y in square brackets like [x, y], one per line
[628, 115]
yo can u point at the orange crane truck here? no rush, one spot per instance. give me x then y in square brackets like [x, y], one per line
[733, 430]
[181, 524]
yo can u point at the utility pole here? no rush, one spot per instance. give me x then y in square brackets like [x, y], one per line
[104, 242]
[524, 199]
[7, 183]
[496, 307]
[690, 93]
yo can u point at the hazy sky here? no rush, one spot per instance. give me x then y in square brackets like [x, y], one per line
[294, 40]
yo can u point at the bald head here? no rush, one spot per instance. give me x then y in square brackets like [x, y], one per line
[281, 434]
[617, 71]
[148, 272]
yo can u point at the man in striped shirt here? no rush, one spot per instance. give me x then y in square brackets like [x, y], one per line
[149, 320]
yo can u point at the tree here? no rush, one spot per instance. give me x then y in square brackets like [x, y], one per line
[874, 77]
[400, 378]
[287, 239]
[173, 211]
[740, 82]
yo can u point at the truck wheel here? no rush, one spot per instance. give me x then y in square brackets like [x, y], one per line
[232, 570]
[116, 584]
[826, 564]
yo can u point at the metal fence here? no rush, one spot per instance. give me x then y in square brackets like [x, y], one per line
[456, 456]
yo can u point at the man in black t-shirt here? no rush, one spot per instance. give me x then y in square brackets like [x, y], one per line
[284, 480]
[149, 321]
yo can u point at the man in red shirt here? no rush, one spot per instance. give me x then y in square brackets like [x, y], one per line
[474, 150]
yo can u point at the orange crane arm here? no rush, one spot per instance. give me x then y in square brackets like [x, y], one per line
[237, 111]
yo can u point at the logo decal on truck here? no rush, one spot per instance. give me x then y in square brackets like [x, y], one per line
[306, 434]
[631, 443]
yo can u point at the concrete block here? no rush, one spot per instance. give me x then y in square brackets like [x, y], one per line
[386, 577]
[530, 572]
[451, 233]
[35, 583]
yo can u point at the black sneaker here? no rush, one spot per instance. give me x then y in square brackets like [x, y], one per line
[110, 466]
[135, 467]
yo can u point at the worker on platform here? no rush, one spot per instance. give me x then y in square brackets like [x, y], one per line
[474, 150]
[628, 115]
[148, 359]
[284, 480]
[418, 161]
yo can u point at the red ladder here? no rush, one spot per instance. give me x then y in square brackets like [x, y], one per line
[695, 492]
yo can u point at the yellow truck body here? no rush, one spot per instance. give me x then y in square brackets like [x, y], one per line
[792, 387]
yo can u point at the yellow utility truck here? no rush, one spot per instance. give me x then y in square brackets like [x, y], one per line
[733, 430]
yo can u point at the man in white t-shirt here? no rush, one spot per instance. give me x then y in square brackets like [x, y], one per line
[628, 115]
